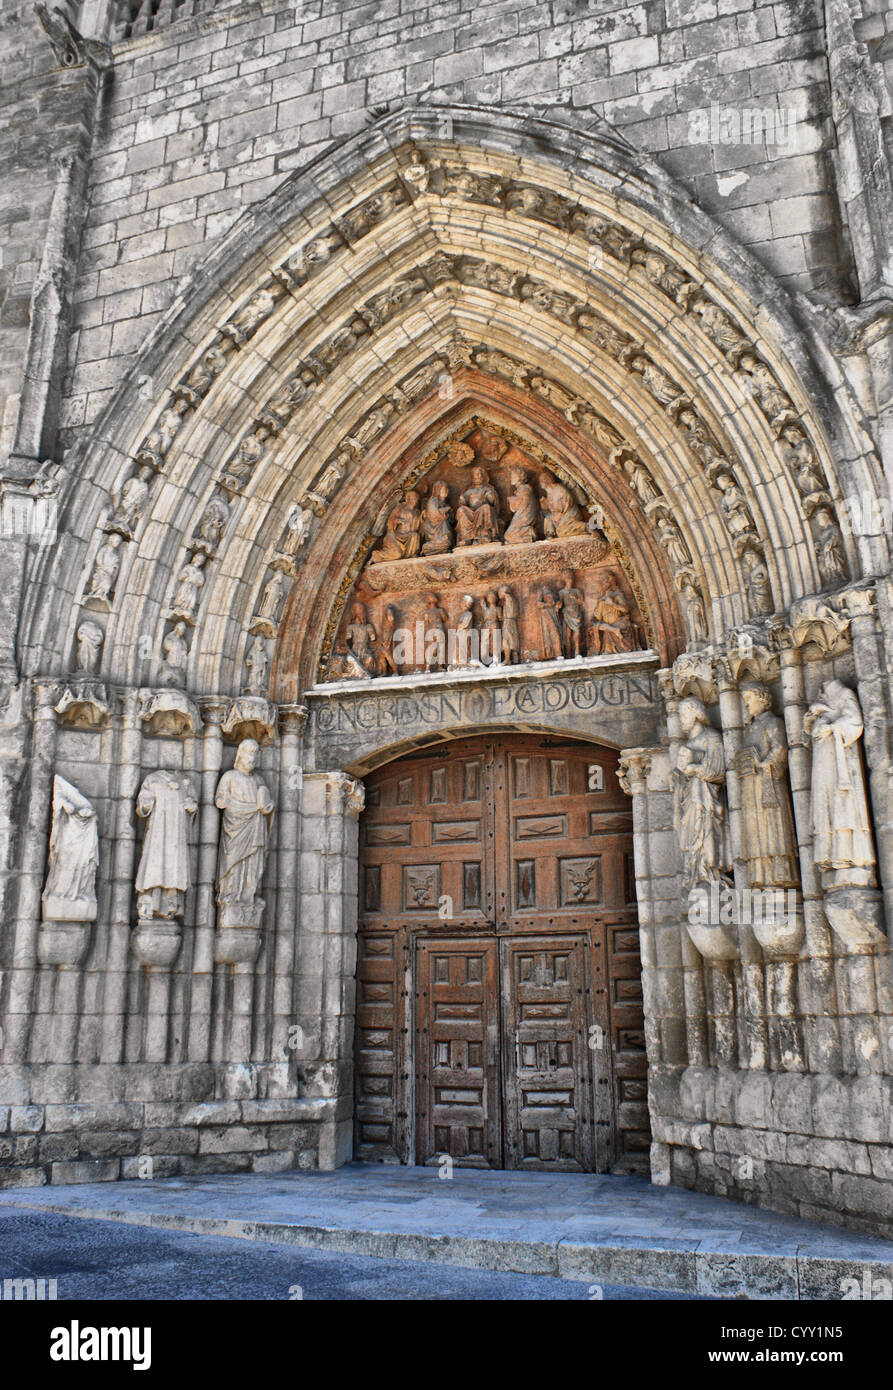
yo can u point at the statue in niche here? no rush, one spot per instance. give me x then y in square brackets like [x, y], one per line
[257, 663]
[734, 506]
[670, 537]
[491, 628]
[829, 549]
[200, 379]
[213, 523]
[511, 636]
[297, 532]
[810, 478]
[386, 642]
[561, 514]
[362, 640]
[611, 627]
[640, 480]
[467, 637]
[695, 614]
[438, 522]
[134, 495]
[770, 845]
[158, 441]
[90, 637]
[698, 804]
[841, 822]
[247, 319]
[241, 466]
[105, 570]
[523, 505]
[477, 515]
[759, 590]
[176, 654]
[573, 615]
[402, 539]
[434, 620]
[550, 626]
[247, 815]
[165, 802]
[69, 894]
[271, 597]
[186, 595]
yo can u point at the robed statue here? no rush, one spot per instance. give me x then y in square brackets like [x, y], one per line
[843, 844]
[69, 894]
[699, 802]
[770, 845]
[247, 815]
[165, 802]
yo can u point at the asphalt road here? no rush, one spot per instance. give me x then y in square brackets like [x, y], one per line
[111, 1260]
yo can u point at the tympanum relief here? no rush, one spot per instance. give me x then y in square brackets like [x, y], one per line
[489, 559]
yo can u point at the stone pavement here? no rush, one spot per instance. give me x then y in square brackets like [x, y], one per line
[576, 1226]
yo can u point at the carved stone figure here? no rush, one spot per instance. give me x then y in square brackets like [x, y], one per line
[523, 505]
[402, 538]
[199, 380]
[438, 522]
[176, 654]
[242, 464]
[271, 598]
[511, 637]
[250, 316]
[165, 802]
[361, 639]
[134, 495]
[186, 595]
[434, 620]
[386, 641]
[69, 894]
[698, 804]
[257, 662]
[573, 615]
[770, 845]
[247, 815]
[640, 480]
[491, 627]
[829, 549]
[773, 401]
[550, 627]
[298, 530]
[695, 615]
[841, 822]
[467, 636]
[105, 570]
[759, 590]
[734, 506]
[561, 514]
[90, 637]
[610, 627]
[477, 516]
[158, 441]
[670, 537]
[212, 525]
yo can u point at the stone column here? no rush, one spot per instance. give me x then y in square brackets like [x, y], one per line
[818, 992]
[213, 711]
[118, 958]
[283, 1042]
[35, 844]
[326, 960]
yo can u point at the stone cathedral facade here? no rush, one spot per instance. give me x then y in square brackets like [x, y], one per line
[445, 621]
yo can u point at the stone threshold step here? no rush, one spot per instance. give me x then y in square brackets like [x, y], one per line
[712, 1267]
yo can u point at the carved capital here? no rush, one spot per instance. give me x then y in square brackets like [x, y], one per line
[633, 769]
[813, 620]
[694, 674]
[292, 718]
[345, 795]
[213, 710]
[859, 602]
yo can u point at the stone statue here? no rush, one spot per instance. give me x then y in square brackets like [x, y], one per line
[165, 802]
[467, 636]
[670, 537]
[134, 495]
[362, 640]
[759, 590]
[434, 620]
[694, 611]
[477, 515]
[247, 319]
[402, 538]
[247, 815]
[270, 599]
[386, 642]
[105, 570]
[698, 803]
[734, 506]
[90, 637]
[213, 523]
[511, 637]
[770, 845]
[69, 894]
[158, 441]
[297, 533]
[523, 505]
[186, 595]
[570, 600]
[491, 628]
[640, 480]
[829, 549]
[438, 522]
[841, 821]
[257, 663]
[550, 626]
[561, 514]
[610, 627]
[176, 654]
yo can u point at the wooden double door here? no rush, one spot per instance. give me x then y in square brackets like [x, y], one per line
[499, 1000]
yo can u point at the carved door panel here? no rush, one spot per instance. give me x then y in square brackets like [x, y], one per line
[547, 1107]
[457, 1055]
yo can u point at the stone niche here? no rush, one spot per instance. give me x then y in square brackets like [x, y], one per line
[498, 550]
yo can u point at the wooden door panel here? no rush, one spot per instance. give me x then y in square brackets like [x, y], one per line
[457, 1082]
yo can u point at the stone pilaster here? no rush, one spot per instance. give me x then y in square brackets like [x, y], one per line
[213, 712]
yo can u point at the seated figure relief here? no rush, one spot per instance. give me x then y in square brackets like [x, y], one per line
[477, 515]
[403, 534]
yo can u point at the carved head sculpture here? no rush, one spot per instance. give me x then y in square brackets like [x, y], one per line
[692, 714]
[247, 755]
[755, 699]
[358, 613]
[479, 477]
[412, 500]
